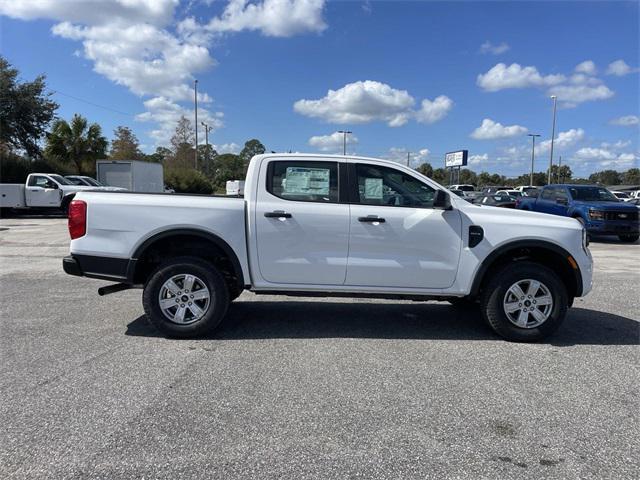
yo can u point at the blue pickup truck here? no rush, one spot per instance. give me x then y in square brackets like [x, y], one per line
[595, 207]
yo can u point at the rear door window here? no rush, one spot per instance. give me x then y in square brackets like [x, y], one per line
[304, 181]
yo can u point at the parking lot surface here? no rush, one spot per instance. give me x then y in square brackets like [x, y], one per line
[308, 388]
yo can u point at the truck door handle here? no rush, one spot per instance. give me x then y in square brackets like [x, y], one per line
[371, 219]
[277, 214]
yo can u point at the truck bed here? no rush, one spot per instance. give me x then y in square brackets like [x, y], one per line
[118, 223]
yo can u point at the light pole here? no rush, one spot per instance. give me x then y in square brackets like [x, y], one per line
[344, 140]
[533, 155]
[553, 134]
[195, 100]
[408, 158]
[207, 129]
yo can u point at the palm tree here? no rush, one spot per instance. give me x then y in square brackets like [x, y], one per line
[76, 142]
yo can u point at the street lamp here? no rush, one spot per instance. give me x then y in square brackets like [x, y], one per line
[195, 100]
[344, 140]
[533, 155]
[553, 134]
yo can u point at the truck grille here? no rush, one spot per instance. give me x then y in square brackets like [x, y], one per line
[621, 216]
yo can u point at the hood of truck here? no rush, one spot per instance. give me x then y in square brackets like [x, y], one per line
[609, 206]
[483, 214]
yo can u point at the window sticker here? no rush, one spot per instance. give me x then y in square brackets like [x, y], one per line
[307, 181]
[373, 188]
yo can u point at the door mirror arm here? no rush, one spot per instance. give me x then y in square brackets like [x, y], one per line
[442, 201]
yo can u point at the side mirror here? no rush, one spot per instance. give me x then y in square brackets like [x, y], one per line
[441, 201]
[52, 185]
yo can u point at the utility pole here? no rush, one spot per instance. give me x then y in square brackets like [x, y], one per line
[560, 179]
[207, 129]
[533, 155]
[553, 134]
[195, 100]
[408, 158]
[344, 140]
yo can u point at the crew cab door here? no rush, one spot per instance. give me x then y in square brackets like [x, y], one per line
[302, 229]
[41, 191]
[397, 239]
[553, 200]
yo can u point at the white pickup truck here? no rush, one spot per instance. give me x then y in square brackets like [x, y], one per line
[41, 190]
[315, 225]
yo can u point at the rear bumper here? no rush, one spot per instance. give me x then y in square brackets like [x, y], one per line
[105, 268]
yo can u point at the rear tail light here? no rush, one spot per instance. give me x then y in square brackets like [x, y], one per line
[77, 219]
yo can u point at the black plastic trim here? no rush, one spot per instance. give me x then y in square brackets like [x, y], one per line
[497, 253]
[186, 231]
[476, 235]
[105, 268]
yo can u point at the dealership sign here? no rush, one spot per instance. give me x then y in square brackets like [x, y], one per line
[456, 159]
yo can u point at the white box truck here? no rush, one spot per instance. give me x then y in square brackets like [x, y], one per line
[235, 188]
[134, 175]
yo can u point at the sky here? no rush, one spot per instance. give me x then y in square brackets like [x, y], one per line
[419, 77]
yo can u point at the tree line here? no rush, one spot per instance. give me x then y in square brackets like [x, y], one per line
[33, 138]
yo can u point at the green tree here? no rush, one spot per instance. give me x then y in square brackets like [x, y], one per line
[425, 169]
[228, 167]
[468, 176]
[125, 145]
[606, 177]
[182, 145]
[159, 156]
[78, 143]
[25, 111]
[251, 147]
[631, 176]
[561, 174]
[207, 156]
[441, 176]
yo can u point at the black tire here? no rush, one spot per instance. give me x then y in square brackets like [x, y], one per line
[494, 293]
[211, 278]
[629, 238]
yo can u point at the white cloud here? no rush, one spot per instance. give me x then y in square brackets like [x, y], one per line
[611, 157]
[626, 121]
[589, 153]
[332, 142]
[490, 130]
[478, 159]
[273, 18]
[571, 95]
[432, 111]
[227, 148]
[399, 155]
[166, 113]
[587, 67]
[488, 47]
[369, 101]
[619, 68]
[563, 141]
[501, 77]
[157, 12]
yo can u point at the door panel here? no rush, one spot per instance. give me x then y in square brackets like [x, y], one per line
[38, 194]
[414, 247]
[412, 244]
[302, 233]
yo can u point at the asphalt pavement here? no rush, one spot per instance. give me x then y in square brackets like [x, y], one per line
[308, 388]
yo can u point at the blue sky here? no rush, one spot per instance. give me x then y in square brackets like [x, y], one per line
[427, 77]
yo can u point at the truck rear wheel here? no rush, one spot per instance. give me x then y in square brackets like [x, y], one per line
[524, 302]
[185, 297]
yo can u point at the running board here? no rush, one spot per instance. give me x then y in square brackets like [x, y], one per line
[116, 287]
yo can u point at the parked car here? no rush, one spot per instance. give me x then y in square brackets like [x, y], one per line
[593, 206]
[513, 193]
[526, 189]
[497, 200]
[463, 187]
[92, 182]
[493, 189]
[634, 201]
[331, 226]
[459, 193]
[41, 190]
[623, 196]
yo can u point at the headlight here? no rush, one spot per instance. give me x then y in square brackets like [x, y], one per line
[596, 214]
[585, 239]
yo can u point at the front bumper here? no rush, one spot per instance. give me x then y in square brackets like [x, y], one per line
[613, 227]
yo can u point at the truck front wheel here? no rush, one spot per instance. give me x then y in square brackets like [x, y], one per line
[629, 238]
[185, 297]
[524, 302]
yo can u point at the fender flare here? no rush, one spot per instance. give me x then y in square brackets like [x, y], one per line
[503, 249]
[215, 239]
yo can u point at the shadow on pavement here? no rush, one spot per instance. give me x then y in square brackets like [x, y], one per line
[269, 319]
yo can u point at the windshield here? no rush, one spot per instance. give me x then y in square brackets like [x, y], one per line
[592, 194]
[60, 180]
[91, 181]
